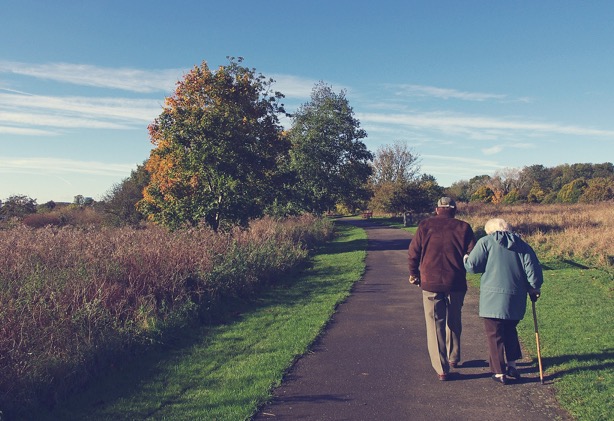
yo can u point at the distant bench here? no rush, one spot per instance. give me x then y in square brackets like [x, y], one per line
[367, 214]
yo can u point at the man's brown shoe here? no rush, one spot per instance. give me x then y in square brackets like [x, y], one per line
[443, 377]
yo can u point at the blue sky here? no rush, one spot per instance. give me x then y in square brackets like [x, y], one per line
[473, 87]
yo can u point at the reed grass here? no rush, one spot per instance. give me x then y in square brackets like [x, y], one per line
[581, 232]
[75, 300]
[226, 371]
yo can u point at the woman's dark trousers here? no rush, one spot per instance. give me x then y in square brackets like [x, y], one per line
[502, 339]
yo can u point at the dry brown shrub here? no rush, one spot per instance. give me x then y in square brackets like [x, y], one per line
[79, 216]
[40, 220]
[566, 231]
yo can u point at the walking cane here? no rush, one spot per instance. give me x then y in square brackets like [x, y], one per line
[539, 356]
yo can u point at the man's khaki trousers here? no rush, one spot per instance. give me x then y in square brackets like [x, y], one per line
[442, 313]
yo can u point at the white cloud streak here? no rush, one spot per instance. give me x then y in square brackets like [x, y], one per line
[62, 166]
[447, 93]
[25, 131]
[25, 111]
[478, 126]
[493, 150]
[457, 168]
[134, 80]
[293, 86]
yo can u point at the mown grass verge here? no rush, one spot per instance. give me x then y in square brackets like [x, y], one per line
[225, 372]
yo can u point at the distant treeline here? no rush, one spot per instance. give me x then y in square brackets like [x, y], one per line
[575, 183]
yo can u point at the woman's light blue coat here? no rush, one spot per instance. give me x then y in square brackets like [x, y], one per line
[509, 267]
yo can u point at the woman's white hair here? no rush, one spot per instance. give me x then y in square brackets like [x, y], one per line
[496, 224]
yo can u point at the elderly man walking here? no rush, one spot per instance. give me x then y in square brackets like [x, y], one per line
[436, 264]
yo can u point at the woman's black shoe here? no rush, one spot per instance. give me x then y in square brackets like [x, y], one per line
[512, 372]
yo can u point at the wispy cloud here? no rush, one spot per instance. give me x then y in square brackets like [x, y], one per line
[24, 131]
[493, 150]
[522, 145]
[62, 166]
[23, 111]
[134, 80]
[458, 168]
[447, 160]
[294, 86]
[478, 126]
[47, 120]
[446, 93]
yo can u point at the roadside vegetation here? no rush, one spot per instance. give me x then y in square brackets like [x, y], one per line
[76, 301]
[224, 371]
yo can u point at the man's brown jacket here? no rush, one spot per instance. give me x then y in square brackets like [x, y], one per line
[436, 253]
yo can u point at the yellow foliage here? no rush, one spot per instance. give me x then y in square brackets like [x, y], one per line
[497, 196]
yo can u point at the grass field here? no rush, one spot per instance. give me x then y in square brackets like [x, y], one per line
[224, 372]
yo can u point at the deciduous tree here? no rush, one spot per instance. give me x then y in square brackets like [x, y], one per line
[217, 144]
[18, 206]
[119, 204]
[599, 189]
[396, 163]
[396, 183]
[329, 158]
[571, 192]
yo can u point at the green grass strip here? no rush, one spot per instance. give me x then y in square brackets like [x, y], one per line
[575, 316]
[226, 371]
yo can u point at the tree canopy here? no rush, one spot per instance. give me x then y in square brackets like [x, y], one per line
[119, 203]
[396, 183]
[397, 163]
[17, 206]
[217, 143]
[328, 157]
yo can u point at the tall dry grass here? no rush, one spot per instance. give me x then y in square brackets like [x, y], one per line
[563, 231]
[73, 299]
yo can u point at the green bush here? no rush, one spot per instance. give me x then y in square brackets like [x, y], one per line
[599, 189]
[571, 192]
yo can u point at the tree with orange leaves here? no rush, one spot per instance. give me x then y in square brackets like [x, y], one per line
[217, 144]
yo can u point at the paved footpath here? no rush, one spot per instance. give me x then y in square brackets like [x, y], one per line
[371, 363]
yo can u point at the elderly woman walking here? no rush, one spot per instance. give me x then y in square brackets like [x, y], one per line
[510, 269]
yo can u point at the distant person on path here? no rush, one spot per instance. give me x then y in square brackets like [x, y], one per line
[510, 269]
[436, 264]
